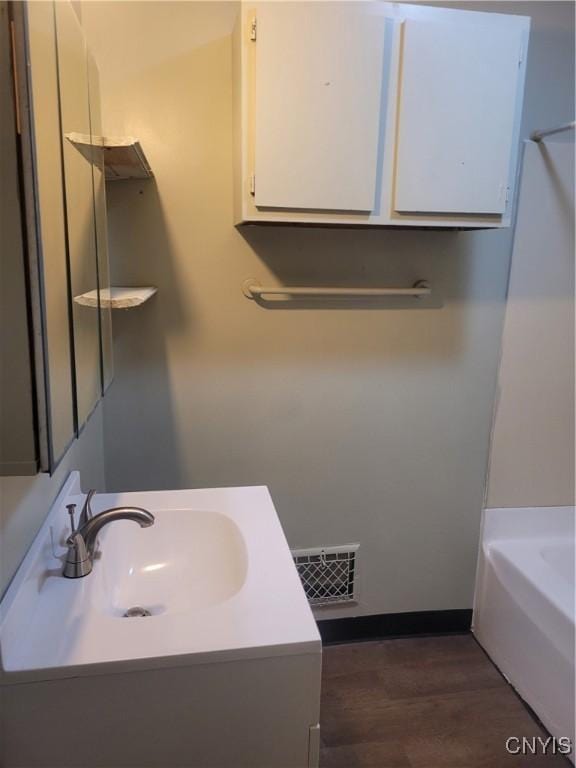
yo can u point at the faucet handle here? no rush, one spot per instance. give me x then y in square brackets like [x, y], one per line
[72, 511]
[86, 513]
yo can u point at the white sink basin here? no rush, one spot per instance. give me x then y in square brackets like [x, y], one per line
[187, 561]
[214, 572]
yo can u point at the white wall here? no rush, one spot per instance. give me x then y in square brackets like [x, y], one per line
[25, 501]
[532, 453]
[368, 425]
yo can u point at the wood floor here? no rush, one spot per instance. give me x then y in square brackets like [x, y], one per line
[434, 702]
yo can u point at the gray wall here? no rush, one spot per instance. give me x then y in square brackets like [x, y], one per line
[368, 425]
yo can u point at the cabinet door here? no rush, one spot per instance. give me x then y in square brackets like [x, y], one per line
[47, 221]
[458, 100]
[318, 93]
[18, 454]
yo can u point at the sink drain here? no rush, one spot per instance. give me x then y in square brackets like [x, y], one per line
[136, 611]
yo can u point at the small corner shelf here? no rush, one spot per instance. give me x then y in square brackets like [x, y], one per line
[116, 297]
[123, 156]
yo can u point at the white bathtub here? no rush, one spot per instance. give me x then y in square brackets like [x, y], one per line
[524, 607]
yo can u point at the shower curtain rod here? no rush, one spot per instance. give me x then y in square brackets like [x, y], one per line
[537, 136]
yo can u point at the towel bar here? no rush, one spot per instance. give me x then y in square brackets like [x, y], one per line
[253, 290]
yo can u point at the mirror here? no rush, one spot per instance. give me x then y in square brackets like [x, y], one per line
[17, 454]
[50, 87]
[43, 210]
[100, 223]
[79, 209]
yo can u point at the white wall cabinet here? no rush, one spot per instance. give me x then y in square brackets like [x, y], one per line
[377, 113]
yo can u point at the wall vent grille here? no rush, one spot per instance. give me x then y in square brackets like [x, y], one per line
[328, 573]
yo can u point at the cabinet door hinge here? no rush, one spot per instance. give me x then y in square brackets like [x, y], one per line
[252, 184]
[504, 193]
[253, 29]
[521, 54]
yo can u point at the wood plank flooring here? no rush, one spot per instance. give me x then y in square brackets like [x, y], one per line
[428, 702]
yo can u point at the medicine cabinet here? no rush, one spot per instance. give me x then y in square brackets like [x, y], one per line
[56, 354]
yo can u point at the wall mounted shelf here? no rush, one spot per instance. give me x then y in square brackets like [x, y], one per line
[116, 297]
[123, 156]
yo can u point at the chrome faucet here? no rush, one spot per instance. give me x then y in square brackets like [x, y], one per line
[82, 541]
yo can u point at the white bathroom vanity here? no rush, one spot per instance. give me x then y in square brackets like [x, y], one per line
[224, 671]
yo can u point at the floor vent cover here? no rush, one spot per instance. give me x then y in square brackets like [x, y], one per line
[327, 573]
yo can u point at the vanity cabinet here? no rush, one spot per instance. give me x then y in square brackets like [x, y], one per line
[57, 360]
[376, 113]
